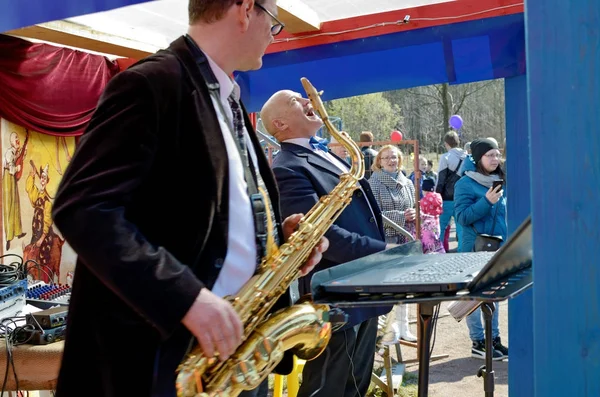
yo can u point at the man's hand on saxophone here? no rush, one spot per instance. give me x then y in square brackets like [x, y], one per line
[215, 323]
[289, 226]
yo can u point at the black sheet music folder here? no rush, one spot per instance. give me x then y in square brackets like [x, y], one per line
[405, 274]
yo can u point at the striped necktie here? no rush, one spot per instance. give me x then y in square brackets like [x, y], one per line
[260, 221]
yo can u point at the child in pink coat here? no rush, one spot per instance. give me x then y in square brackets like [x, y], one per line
[431, 209]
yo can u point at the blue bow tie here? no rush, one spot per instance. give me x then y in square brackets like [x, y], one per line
[318, 143]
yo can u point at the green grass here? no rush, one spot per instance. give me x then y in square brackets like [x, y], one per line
[408, 388]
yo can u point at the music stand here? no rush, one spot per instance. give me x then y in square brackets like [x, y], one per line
[505, 288]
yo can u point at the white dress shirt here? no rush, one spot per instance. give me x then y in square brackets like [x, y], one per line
[240, 262]
[342, 166]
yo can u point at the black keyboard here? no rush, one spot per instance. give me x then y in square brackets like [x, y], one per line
[442, 267]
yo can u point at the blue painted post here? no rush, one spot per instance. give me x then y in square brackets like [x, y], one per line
[520, 309]
[563, 67]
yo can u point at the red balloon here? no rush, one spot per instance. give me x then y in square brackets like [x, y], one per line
[396, 136]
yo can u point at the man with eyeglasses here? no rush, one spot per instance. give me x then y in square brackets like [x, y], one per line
[155, 258]
[277, 26]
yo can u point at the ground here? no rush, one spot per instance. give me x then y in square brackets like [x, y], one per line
[455, 375]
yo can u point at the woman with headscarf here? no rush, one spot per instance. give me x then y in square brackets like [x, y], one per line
[481, 209]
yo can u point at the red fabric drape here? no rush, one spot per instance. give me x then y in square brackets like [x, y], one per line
[50, 89]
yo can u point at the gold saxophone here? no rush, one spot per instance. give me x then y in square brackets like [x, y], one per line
[303, 328]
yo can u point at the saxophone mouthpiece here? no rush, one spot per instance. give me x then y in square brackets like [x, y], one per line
[315, 98]
[308, 87]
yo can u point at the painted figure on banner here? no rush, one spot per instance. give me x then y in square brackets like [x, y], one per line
[27, 201]
[12, 165]
[46, 246]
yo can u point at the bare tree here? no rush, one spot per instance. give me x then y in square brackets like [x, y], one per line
[427, 111]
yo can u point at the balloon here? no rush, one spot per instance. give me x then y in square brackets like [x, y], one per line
[396, 136]
[456, 122]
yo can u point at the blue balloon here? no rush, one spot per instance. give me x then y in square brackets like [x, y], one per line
[456, 122]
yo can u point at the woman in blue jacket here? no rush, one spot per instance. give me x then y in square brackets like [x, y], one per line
[479, 208]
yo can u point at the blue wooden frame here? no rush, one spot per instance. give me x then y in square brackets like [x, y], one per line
[520, 309]
[457, 53]
[563, 63]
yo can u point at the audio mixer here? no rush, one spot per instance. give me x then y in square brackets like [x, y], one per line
[45, 296]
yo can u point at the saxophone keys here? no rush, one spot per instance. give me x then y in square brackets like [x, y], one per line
[287, 249]
[264, 350]
[306, 228]
[246, 375]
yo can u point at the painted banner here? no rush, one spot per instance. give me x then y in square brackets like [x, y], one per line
[32, 166]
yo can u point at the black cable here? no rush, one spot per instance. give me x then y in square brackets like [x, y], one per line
[9, 273]
[30, 263]
[351, 361]
[7, 255]
[12, 337]
[8, 332]
[6, 339]
[436, 314]
[39, 268]
[13, 271]
[12, 362]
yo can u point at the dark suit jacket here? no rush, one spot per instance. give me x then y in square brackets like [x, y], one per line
[144, 203]
[303, 177]
[369, 154]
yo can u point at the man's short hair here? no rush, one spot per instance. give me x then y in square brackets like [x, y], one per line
[366, 136]
[209, 11]
[451, 138]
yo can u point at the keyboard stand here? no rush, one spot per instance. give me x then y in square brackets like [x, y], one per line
[506, 288]
[425, 318]
[485, 371]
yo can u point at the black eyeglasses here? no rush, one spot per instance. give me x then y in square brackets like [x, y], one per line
[278, 26]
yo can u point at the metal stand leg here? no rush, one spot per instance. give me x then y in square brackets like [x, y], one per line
[485, 371]
[425, 317]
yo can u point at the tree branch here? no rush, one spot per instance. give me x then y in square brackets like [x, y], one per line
[424, 95]
[466, 94]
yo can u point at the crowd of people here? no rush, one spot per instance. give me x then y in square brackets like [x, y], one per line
[156, 260]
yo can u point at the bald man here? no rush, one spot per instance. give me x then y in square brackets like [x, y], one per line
[306, 171]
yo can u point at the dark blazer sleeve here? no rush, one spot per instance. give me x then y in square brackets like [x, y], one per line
[114, 156]
[298, 195]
